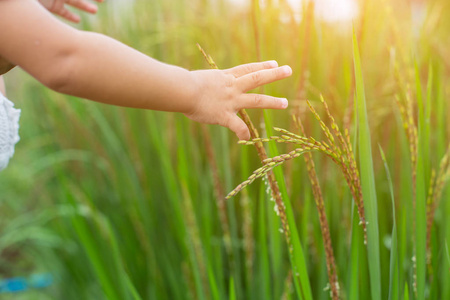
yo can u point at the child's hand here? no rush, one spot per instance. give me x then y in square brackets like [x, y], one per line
[59, 7]
[222, 93]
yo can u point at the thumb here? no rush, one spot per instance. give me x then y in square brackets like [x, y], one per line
[239, 127]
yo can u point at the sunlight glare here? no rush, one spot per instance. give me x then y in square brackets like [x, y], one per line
[327, 10]
[335, 10]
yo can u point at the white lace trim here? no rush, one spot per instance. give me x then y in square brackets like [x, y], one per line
[9, 130]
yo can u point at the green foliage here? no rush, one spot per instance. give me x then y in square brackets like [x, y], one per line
[124, 204]
[367, 177]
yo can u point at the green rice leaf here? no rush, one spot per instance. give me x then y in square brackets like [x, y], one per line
[367, 177]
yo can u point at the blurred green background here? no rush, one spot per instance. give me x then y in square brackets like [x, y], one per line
[120, 203]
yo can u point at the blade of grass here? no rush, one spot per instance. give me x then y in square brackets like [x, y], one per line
[115, 286]
[444, 274]
[213, 285]
[353, 265]
[232, 290]
[394, 266]
[274, 226]
[263, 267]
[367, 178]
[406, 293]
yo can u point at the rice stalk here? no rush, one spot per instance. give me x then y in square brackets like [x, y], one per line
[437, 184]
[346, 158]
[405, 107]
[269, 164]
[287, 286]
[431, 189]
[324, 226]
[341, 154]
[441, 179]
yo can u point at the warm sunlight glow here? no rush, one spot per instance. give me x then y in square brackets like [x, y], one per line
[331, 10]
[327, 10]
[336, 10]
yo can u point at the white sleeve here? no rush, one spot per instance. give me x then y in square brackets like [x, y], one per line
[9, 130]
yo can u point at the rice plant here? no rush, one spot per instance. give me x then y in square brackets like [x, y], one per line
[342, 196]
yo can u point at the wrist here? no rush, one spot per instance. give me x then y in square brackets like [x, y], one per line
[192, 92]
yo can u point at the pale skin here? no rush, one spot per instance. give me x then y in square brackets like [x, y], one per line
[96, 67]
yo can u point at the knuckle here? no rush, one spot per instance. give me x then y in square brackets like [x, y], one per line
[229, 80]
[248, 68]
[256, 78]
[258, 100]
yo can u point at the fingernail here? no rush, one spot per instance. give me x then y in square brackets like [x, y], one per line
[284, 103]
[286, 70]
[273, 63]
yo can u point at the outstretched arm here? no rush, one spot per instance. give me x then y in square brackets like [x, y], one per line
[99, 68]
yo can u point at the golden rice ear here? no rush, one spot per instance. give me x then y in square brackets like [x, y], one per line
[5, 66]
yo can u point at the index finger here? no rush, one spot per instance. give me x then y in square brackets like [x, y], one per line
[242, 70]
[253, 80]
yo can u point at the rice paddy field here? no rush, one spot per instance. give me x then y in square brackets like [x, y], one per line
[341, 196]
